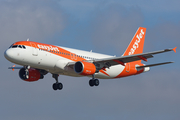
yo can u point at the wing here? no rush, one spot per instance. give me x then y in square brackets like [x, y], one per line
[130, 58]
[108, 62]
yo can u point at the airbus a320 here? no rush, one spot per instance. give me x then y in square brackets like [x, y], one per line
[38, 59]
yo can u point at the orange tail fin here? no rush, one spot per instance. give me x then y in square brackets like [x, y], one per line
[137, 43]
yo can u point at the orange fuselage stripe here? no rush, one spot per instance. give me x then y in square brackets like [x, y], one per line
[54, 50]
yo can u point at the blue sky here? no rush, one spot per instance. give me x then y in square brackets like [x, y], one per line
[102, 26]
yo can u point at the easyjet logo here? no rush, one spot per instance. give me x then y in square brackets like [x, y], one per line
[136, 43]
[48, 47]
[88, 72]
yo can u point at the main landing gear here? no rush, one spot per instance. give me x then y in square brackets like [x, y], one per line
[93, 81]
[57, 85]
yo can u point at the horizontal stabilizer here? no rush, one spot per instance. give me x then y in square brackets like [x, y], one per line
[154, 65]
[13, 67]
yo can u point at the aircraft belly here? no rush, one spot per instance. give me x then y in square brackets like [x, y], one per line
[112, 72]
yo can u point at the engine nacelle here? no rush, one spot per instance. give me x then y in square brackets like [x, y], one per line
[34, 75]
[84, 68]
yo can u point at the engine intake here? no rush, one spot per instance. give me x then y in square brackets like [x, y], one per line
[84, 68]
[34, 75]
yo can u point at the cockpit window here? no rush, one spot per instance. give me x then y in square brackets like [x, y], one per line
[11, 46]
[23, 46]
[14, 46]
[17, 46]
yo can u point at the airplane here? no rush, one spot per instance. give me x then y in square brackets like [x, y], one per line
[38, 59]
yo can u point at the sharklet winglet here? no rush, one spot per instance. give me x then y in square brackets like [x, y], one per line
[174, 49]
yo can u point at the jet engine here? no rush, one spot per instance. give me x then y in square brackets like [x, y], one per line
[84, 68]
[31, 75]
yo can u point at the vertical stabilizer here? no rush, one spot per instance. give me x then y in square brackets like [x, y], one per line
[137, 43]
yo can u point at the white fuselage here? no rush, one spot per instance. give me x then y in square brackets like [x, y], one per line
[56, 63]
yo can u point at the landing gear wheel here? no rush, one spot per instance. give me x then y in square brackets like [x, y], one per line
[91, 83]
[54, 86]
[96, 82]
[57, 86]
[60, 86]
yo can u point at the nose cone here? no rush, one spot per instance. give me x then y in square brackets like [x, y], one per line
[9, 54]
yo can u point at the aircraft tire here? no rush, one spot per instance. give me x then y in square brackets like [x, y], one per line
[59, 86]
[96, 82]
[91, 83]
[54, 86]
